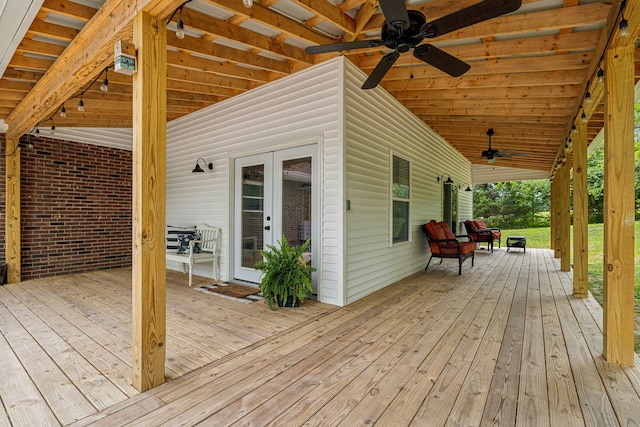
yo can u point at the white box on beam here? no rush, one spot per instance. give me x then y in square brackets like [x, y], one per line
[124, 58]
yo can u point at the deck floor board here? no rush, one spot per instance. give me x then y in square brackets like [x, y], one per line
[505, 343]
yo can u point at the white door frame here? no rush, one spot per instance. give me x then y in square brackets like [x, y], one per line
[273, 207]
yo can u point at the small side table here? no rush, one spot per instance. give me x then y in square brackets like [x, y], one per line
[517, 242]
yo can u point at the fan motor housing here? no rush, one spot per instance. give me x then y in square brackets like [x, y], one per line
[407, 40]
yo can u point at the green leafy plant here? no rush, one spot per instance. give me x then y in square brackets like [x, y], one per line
[285, 274]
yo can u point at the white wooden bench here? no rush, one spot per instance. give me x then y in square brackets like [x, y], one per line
[206, 237]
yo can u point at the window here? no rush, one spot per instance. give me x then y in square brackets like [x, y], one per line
[400, 199]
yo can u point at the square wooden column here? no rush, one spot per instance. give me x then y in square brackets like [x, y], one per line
[149, 200]
[619, 195]
[12, 213]
[553, 220]
[563, 231]
[580, 213]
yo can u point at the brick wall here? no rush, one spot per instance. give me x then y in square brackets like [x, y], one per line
[75, 207]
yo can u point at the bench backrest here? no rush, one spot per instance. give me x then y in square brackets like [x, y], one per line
[173, 231]
[210, 237]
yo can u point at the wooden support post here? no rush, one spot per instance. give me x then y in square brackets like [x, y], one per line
[553, 203]
[580, 214]
[619, 206]
[12, 212]
[563, 233]
[149, 200]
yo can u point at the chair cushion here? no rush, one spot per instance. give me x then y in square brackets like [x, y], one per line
[434, 229]
[447, 230]
[480, 224]
[467, 247]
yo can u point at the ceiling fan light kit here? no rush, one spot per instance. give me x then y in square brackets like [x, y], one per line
[404, 30]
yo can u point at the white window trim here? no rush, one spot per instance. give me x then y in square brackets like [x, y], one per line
[393, 154]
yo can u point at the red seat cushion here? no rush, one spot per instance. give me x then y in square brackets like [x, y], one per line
[467, 247]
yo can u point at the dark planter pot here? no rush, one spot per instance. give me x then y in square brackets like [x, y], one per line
[288, 302]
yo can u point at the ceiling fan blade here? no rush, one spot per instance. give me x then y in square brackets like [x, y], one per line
[508, 155]
[441, 60]
[337, 47]
[395, 12]
[381, 69]
[473, 14]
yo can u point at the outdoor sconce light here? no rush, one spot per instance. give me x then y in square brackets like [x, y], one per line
[198, 169]
[448, 181]
[468, 187]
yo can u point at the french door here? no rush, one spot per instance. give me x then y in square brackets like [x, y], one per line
[274, 195]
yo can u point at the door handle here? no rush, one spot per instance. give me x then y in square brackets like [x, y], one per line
[267, 227]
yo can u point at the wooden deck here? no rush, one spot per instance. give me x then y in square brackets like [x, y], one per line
[503, 344]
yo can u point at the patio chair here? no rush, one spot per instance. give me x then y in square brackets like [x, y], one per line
[444, 244]
[479, 231]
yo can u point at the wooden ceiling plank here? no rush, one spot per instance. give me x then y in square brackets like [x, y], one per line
[507, 80]
[522, 46]
[493, 103]
[442, 110]
[40, 48]
[329, 13]
[554, 63]
[217, 27]
[185, 60]
[507, 93]
[273, 20]
[201, 46]
[208, 78]
[52, 30]
[70, 9]
[545, 20]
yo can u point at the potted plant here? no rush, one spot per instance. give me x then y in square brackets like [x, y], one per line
[286, 277]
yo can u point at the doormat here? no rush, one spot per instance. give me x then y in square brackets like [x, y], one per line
[234, 291]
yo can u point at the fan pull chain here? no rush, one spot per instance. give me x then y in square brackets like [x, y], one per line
[411, 67]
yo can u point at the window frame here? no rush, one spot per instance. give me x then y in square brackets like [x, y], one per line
[393, 198]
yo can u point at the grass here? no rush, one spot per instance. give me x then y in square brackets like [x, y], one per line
[540, 238]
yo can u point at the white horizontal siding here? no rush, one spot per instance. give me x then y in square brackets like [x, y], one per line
[121, 138]
[295, 109]
[375, 124]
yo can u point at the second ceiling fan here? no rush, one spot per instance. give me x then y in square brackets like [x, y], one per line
[492, 154]
[405, 29]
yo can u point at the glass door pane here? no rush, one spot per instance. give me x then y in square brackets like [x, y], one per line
[252, 214]
[296, 201]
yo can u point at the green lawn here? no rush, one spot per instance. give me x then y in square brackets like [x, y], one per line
[540, 238]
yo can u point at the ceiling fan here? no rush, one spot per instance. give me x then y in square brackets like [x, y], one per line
[405, 29]
[491, 154]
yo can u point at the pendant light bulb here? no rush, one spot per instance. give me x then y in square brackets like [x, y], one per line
[624, 28]
[63, 112]
[600, 76]
[53, 129]
[105, 83]
[587, 98]
[180, 26]
[583, 118]
[81, 105]
[247, 3]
